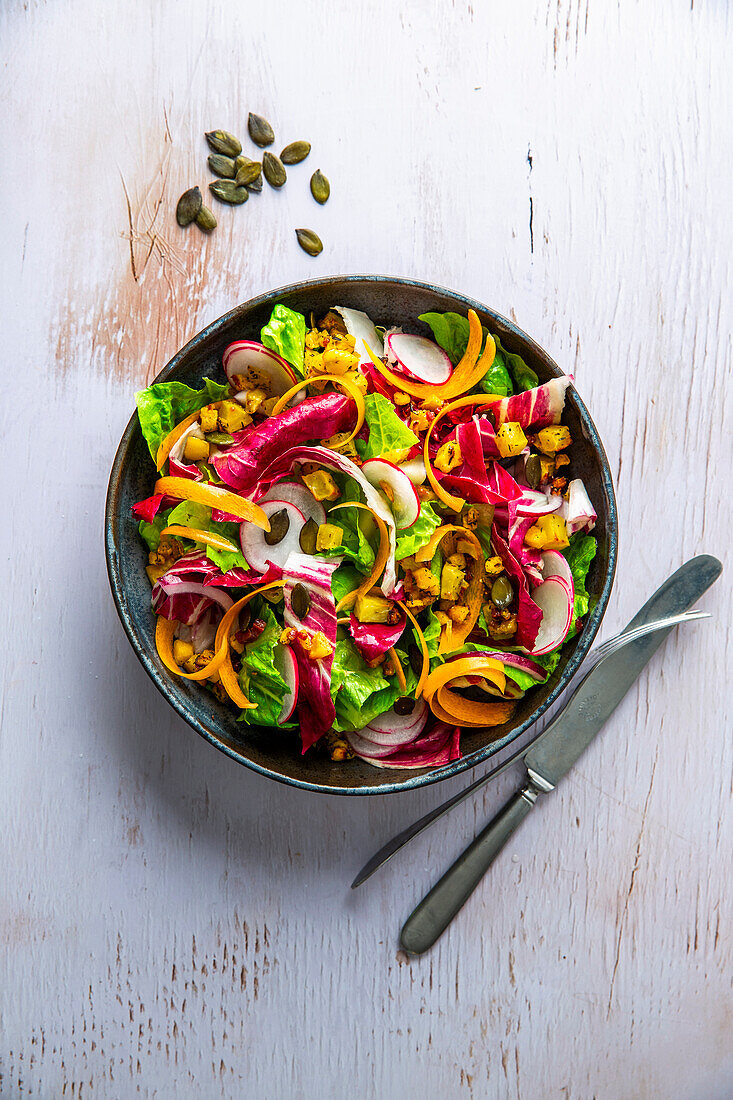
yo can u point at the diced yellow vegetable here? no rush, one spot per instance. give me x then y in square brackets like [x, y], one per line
[401, 399]
[419, 421]
[209, 417]
[448, 457]
[155, 572]
[233, 416]
[320, 647]
[329, 536]
[196, 450]
[426, 581]
[458, 613]
[510, 439]
[322, 485]
[372, 609]
[494, 566]
[338, 361]
[555, 438]
[254, 400]
[548, 533]
[451, 582]
[182, 651]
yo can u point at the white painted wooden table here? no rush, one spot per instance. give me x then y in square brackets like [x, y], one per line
[174, 926]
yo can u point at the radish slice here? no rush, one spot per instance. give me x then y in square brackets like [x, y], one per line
[261, 367]
[397, 729]
[362, 329]
[256, 550]
[419, 358]
[368, 749]
[397, 487]
[532, 503]
[555, 600]
[415, 470]
[554, 564]
[300, 496]
[286, 664]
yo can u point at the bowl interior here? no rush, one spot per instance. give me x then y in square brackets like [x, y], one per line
[388, 301]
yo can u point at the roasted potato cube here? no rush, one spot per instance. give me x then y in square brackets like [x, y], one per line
[427, 582]
[196, 450]
[233, 417]
[322, 485]
[182, 651]
[548, 533]
[555, 438]
[451, 582]
[372, 609]
[208, 418]
[329, 536]
[510, 439]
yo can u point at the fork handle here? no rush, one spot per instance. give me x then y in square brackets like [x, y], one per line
[435, 912]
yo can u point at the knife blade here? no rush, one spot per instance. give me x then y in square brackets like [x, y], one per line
[559, 747]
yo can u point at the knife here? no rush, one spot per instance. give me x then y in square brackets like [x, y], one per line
[562, 743]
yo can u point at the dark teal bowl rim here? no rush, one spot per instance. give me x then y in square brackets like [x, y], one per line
[165, 686]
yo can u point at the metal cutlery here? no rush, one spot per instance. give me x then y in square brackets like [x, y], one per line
[558, 748]
[680, 591]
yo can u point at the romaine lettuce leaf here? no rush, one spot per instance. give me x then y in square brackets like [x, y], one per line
[161, 406]
[260, 680]
[198, 516]
[431, 633]
[411, 539]
[450, 331]
[285, 334]
[150, 532]
[355, 544]
[344, 580]
[359, 693]
[497, 378]
[523, 377]
[387, 433]
[579, 555]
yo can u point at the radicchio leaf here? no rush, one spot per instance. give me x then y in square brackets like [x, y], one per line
[374, 639]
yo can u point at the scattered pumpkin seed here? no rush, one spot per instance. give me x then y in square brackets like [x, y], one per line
[300, 601]
[205, 219]
[222, 166]
[502, 592]
[320, 187]
[295, 152]
[309, 241]
[220, 141]
[228, 191]
[188, 206]
[257, 185]
[404, 705]
[247, 171]
[219, 438]
[273, 170]
[279, 527]
[260, 130]
[308, 537]
[533, 471]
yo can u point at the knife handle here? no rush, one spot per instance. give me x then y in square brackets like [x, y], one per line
[435, 912]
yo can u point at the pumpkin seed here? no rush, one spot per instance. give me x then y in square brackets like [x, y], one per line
[273, 170]
[279, 527]
[220, 438]
[257, 185]
[320, 187]
[308, 537]
[188, 206]
[227, 191]
[300, 601]
[404, 705]
[309, 241]
[295, 152]
[221, 141]
[533, 471]
[222, 166]
[205, 220]
[502, 592]
[247, 171]
[260, 130]
[415, 658]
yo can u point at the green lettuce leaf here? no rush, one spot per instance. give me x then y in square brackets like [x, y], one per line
[524, 377]
[345, 579]
[285, 334]
[431, 633]
[386, 431]
[359, 693]
[161, 406]
[450, 331]
[260, 680]
[579, 555]
[414, 537]
[150, 532]
[188, 514]
[355, 544]
[497, 379]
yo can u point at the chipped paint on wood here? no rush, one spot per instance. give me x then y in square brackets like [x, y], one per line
[173, 925]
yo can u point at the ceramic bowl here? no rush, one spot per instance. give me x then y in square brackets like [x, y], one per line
[388, 301]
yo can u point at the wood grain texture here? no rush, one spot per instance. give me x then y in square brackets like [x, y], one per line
[171, 925]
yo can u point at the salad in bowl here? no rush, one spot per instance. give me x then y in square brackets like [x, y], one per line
[367, 538]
